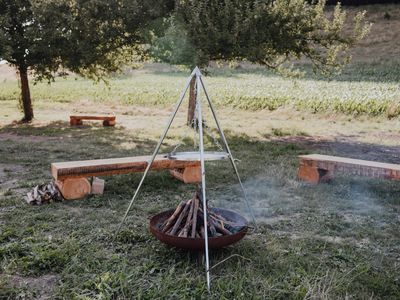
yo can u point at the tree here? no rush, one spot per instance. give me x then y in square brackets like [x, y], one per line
[268, 32]
[89, 37]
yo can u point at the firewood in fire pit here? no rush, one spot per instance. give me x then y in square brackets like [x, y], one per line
[188, 221]
[185, 230]
[182, 215]
[168, 223]
[194, 221]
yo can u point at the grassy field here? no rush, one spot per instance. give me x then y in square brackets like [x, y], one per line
[362, 89]
[338, 240]
[334, 240]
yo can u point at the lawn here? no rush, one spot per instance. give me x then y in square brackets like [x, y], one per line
[333, 240]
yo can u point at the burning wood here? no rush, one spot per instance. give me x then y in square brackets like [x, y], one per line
[43, 193]
[188, 221]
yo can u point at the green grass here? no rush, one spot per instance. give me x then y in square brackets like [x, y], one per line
[362, 89]
[328, 241]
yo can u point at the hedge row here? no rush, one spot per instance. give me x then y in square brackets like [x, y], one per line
[361, 2]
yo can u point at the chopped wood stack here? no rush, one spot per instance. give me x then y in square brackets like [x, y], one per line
[188, 221]
[44, 193]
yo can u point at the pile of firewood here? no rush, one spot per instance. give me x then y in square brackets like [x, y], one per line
[44, 193]
[188, 221]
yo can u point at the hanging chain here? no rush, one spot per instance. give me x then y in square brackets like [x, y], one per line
[214, 139]
[181, 141]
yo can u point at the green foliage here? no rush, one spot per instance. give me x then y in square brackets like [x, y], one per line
[91, 37]
[172, 44]
[88, 37]
[269, 32]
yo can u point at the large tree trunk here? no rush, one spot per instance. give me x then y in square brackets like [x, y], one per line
[25, 95]
[192, 101]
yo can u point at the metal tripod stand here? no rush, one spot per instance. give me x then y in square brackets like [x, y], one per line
[198, 85]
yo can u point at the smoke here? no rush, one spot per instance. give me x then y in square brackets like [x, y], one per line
[273, 200]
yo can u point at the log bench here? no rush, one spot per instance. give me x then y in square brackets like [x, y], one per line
[77, 120]
[71, 177]
[315, 168]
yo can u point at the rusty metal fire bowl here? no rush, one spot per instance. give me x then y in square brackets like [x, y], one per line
[197, 244]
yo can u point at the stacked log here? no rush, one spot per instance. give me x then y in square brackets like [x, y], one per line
[44, 193]
[188, 221]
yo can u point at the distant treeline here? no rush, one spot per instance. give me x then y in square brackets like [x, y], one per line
[361, 2]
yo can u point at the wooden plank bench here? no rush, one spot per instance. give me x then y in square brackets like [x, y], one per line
[71, 177]
[315, 168]
[77, 119]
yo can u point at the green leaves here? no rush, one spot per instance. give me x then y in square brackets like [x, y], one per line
[89, 37]
[269, 32]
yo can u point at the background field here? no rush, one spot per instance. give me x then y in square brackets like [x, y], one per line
[336, 240]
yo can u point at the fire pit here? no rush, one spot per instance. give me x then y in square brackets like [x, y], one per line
[197, 244]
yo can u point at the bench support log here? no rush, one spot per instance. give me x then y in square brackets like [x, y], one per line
[313, 175]
[74, 188]
[187, 175]
[75, 122]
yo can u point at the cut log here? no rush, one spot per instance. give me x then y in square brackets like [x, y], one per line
[180, 218]
[202, 231]
[211, 227]
[168, 223]
[219, 226]
[189, 219]
[44, 193]
[194, 222]
[74, 188]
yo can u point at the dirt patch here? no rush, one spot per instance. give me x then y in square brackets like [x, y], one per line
[6, 173]
[42, 286]
[25, 138]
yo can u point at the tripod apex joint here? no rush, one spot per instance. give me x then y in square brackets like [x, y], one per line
[196, 71]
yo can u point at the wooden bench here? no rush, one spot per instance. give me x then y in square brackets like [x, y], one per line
[316, 168]
[77, 120]
[71, 177]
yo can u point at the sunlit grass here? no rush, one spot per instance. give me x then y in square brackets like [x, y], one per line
[360, 90]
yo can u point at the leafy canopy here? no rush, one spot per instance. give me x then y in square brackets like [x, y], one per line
[89, 37]
[269, 32]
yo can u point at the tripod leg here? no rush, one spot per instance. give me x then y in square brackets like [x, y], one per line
[150, 162]
[203, 180]
[229, 152]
